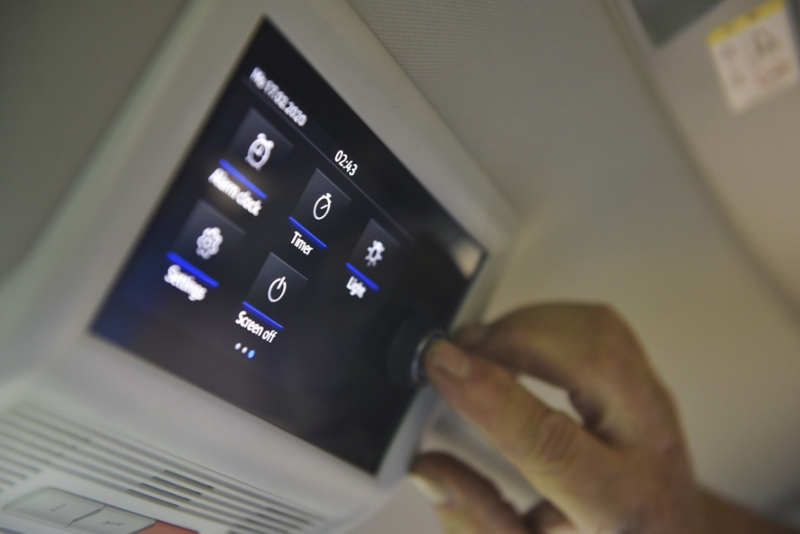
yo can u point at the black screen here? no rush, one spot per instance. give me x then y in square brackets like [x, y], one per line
[289, 248]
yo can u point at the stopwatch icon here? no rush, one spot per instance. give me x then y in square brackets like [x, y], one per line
[322, 206]
[277, 287]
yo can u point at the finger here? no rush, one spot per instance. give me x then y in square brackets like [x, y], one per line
[465, 502]
[566, 464]
[589, 351]
[547, 519]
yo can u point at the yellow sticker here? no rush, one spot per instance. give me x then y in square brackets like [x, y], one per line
[745, 20]
[755, 55]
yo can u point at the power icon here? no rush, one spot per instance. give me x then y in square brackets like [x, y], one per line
[322, 206]
[277, 287]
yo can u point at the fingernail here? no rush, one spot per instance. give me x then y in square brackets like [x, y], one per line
[471, 335]
[449, 359]
[436, 494]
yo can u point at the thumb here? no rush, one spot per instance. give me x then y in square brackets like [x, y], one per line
[465, 502]
[545, 518]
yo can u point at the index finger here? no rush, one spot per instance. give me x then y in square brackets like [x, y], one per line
[589, 351]
[565, 463]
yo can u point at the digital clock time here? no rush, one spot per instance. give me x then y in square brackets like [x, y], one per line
[346, 163]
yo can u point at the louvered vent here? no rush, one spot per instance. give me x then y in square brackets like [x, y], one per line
[14, 470]
[32, 438]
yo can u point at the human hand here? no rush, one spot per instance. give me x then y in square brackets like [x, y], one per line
[625, 469]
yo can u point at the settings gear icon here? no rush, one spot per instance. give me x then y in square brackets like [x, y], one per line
[374, 253]
[208, 243]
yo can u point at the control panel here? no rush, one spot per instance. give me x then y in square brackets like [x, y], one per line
[290, 247]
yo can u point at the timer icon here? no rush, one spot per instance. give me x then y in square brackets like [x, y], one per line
[322, 206]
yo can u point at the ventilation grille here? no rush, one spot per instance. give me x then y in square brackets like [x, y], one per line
[14, 470]
[32, 439]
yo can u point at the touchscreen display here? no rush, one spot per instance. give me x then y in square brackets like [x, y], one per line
[289, 249]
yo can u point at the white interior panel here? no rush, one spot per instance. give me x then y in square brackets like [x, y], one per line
[65, 68]
[546, 101]
[748, 157]
[546, 98]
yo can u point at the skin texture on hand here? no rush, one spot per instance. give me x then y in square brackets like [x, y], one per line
[624, 470]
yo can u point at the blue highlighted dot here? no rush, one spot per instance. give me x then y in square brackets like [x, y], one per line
[251, 354]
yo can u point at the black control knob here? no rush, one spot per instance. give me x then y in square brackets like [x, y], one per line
[406, 355]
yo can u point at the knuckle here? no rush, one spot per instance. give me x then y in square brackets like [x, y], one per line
[616, 353]
[518, 342]
[612, 365]
[555, 443]
[607, 322]
[603, 317]
[511, 332]
[607, 313]
[668, 442]
[490, 384]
